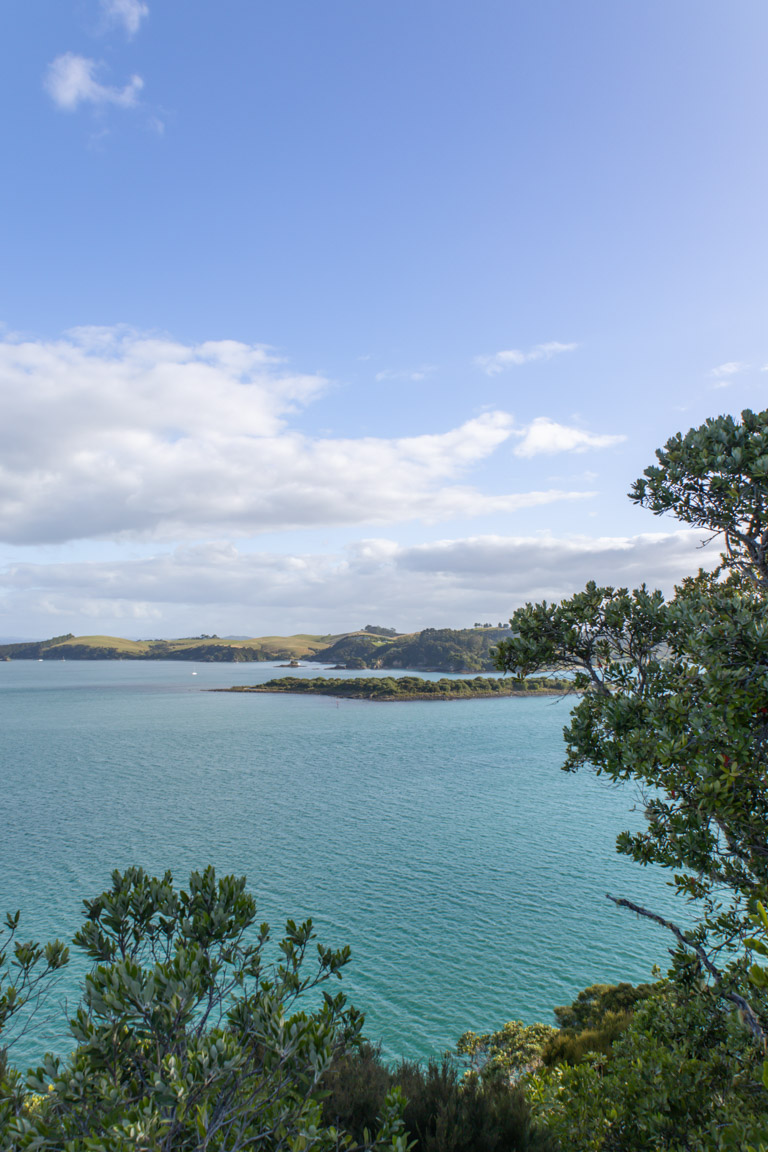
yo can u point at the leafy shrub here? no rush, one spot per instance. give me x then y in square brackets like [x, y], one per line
[592, 1004]
[593, 1022]
[444, 1112]
[186, 1040]
[509, 1053]
[573, 1047]
[683, 1077]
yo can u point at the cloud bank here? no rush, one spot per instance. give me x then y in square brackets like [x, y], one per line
[215, 586]
[111, 434]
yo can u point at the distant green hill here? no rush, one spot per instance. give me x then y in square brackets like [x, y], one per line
[202, 648]
[433, 650]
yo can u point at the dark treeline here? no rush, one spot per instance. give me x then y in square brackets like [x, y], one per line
[388, 688]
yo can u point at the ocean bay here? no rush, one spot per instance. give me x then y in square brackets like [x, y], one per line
[438, 839]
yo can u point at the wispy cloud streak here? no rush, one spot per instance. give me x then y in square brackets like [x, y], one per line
[513, 357]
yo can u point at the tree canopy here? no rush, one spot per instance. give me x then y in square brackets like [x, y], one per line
[675, 693]
[674, 698]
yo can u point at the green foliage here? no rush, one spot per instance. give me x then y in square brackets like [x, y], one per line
[185, 1039]
[587, 1044]
[589, 1027]
[758, 973]
[35, 650]
[675, 700]
[403, 687]
[593, 1004]
[716, 477]
[683, 1077]
[26, 971]
[220, 653]
[593, 1022]
[513, 1050]
[676, 693]
[444, 1112]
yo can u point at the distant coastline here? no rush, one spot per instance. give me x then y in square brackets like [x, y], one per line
[462, 650]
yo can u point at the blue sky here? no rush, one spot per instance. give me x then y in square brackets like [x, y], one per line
[316, 315]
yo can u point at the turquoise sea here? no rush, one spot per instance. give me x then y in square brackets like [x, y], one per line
[439, 839]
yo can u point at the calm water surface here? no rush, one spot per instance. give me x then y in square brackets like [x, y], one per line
[438, 839]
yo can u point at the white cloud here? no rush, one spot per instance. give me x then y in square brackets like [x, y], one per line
[70, 81]
[108, 433]
[129, 13]
[216, 587]
[407, 374]
[545, 437]
[724, 372]
[513, 357]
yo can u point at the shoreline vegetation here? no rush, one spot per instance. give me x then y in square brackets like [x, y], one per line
[393, 688]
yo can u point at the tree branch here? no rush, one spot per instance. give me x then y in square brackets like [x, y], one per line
[748, 1013]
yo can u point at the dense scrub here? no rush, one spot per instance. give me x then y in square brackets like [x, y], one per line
[186, 1038]
[445, 1112]
[406, 687]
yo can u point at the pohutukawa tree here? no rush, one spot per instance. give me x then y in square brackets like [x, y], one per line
[675, 695]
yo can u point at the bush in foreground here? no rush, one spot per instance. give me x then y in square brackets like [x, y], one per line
[185, 1038]
[445, 1112]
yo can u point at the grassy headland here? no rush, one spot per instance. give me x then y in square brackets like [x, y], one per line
[431, 650]
[208, 649]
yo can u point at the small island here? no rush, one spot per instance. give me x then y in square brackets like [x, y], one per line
[388, 688]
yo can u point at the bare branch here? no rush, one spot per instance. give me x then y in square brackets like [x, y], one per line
[748, 1013]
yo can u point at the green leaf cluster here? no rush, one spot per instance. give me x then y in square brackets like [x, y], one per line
[683, 1076]
[515, 1049]
[185, 1037]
